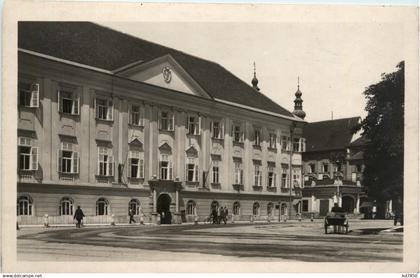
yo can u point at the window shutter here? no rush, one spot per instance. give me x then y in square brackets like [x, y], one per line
[212, 135]
[76, 104]
[98, 163]
[222, 124]
[59, 107]
[110, 110]
[274, 179]
[59, 160]
[130, 116]
[141, 169]
[110, 166]
[170, 170]
[196, 173]
[141, 116]
[199, 125]
[34, 95]
[75, 162]
[96, 112]
[34, 158]
[129, 165]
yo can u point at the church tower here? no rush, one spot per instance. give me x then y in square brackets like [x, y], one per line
[298, 104]
[255, 80]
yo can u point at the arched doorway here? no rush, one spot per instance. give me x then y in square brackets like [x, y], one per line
[348, 204]
[283, 210]
[163, 208]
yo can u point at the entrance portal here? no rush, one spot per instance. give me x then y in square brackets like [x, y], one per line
[348, 204]
[323, 207]
[163, 208]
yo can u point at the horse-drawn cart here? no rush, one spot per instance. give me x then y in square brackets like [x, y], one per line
[338, 221]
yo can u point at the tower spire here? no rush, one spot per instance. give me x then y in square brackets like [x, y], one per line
[255, 80]
[298, 102]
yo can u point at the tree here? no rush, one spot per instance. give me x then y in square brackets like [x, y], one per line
[384, 130]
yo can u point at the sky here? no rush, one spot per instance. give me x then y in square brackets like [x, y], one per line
[335, 62]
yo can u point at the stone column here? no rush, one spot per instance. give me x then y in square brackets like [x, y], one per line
[177, 201]
[154, 201]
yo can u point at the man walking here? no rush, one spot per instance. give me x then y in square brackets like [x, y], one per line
[131, 214]
[78, 215]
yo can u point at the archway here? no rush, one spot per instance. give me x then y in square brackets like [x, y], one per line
[163, 208]
[348, 204]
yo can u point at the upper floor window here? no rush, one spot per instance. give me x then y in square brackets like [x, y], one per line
[67, 159]
[311, 168]
[296, 144]
[66, 206]
[284, 178]
[272, 141]
[257, 175]
[217, 129]
[105, 162]
[305, 205]
[24, 205]
[239, 173]
[358, 168]
[68, 102]
[194, 125]
[166, 121]
[165, 167]
[215, 172]
[192, 170]
[296, 177]
[135, 165]
[136, 115]
[237, 133]
[28, 155]
[29, 94]
[324, 168]
[285, 143]
[271, 176]
[104, 109]
[257, 137]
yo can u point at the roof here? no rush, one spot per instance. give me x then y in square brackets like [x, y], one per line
[101, 47]
[359, 142]
[329, 135]
[357, 156]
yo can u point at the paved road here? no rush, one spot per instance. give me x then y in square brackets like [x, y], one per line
[295, 241]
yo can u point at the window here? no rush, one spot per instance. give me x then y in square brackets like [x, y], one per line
[271, 177]
[311, 168]
[215, 172]
[105, 162]
[236, 208]
[325, 167]
[238, 173]
[359, 168]
[217, 130]
[166, 121]
[192, 170]
[305, 205]
[257, 175]
[24, 205]
[284, 179]
[237, 133]
[165, 167]
[68, 102]
[257, 137]
[353, 177]
[337, 167]
[66, 206]
[194, 125]
[302, 145]
[102, 206]
[28, 155]
[29, 95]
[270, 207]
[134, 205]
[296, 144]
[135, 165]
[256, 209]
[104, 109]
[296, 177]
[67, 159]
[191, 208]
[285, 143]
[136, 115]
[272, 141]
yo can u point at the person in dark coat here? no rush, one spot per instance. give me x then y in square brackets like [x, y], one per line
[78, 215]
[225, 214]
[131, 214]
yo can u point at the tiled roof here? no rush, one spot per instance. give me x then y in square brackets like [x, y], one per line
[329, 135]
[361, 141]
[94, 45]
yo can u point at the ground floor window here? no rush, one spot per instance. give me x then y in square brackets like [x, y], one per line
[270, 208]
[102, 206]
[283, 209]
[191, 206]
[24, 205]
[305, 205]
[256, 209]
[134, 206]
[66, 206]
[236, 208]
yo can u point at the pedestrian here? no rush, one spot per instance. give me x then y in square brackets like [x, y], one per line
[78, 215]
[131, 214]
[226, 214]
[214, 215]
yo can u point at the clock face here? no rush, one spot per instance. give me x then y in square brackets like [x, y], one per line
[167, 74]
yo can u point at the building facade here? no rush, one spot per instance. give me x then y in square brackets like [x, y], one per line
[333, 167]
[109, 122]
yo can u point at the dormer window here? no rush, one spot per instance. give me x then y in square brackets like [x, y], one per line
[166, 121]
[194, 125]
[68, 102]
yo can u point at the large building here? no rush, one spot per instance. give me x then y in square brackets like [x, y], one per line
[333, 167]
[108, 122]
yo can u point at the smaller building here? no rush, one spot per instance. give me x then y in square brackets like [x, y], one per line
[332, 166]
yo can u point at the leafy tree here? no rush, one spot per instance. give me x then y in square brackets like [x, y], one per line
[384, 130]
